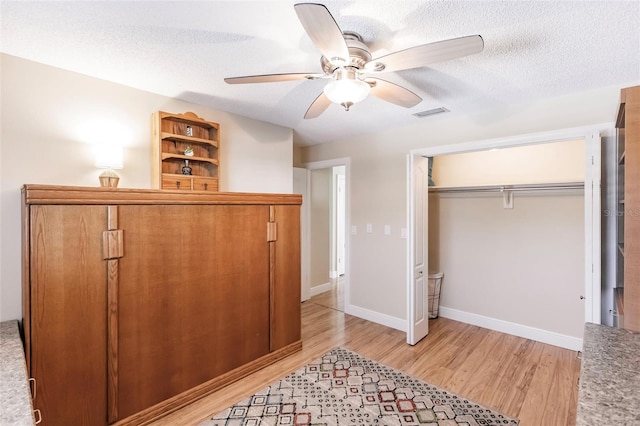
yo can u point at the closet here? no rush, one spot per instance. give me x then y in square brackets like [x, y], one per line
[507, 229]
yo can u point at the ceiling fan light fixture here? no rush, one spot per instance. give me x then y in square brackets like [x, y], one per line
[346, 89]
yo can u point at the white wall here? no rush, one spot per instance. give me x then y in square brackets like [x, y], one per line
[378, 180]
[44, 112]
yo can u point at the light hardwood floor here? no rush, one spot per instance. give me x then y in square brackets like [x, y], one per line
[534, 382]
[333, 298]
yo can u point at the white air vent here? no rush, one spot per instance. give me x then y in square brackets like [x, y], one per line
[430, 112]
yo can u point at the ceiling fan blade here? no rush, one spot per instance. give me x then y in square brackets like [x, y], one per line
[393, 93]
[318, 106]
[272, 78]
[426, 54]
[323, 31]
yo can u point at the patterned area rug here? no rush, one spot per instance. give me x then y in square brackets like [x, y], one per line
[343, 388]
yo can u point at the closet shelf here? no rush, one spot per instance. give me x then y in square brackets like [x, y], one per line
[504, 188]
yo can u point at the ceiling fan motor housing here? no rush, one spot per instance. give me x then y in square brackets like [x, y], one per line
[358, 54]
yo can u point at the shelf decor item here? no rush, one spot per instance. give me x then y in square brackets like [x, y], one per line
[186, 170]
[109, 157]
[185, 152]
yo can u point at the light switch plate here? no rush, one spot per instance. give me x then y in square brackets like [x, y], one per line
[387, 230]
[354, 230]
[369, 228]
[403, 233]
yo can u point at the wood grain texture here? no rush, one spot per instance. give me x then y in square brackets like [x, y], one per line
[534, 382]
[69, 314]
[26, 279]
[285, 288]
[182, 306]
[170, 405]
[196, 308]
[631, 98]
[112, 339]
[50, 194]
[334, 298]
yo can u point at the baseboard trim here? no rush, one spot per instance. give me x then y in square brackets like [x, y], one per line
[153, 413]
[537, 334]
[318, 289]
[377, 317]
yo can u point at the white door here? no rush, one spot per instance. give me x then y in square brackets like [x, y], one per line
[340, 224]
[300, 186]
[418, 309]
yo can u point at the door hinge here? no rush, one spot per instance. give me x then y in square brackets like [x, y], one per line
[112, 247]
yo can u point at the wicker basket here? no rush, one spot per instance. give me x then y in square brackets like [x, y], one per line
[435, 282]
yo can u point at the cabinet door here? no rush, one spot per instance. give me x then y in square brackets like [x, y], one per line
[193, 297]
[68, 313]
[632, 210]
[285, 293]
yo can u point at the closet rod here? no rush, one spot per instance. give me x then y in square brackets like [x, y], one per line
[503, 188]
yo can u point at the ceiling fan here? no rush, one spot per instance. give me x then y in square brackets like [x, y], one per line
[346, 60]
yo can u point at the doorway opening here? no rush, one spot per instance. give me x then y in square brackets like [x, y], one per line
[327, 224]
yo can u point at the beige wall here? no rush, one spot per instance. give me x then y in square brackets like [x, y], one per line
[378, 180]
[319, 238]
[544, 163]
[523, 265]
[44, 112]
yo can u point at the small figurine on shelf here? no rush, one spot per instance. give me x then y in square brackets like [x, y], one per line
[189, 131]
[186, 170]
[188, 151]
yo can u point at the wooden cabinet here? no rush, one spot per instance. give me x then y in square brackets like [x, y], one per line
[185, 151]
[138, 302]
[628, 125]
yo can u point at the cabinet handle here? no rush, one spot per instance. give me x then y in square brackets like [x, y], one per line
[206, 186]
[32, 385]
[39, 415]
[178, 184]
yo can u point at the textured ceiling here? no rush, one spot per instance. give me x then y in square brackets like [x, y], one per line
[533, 49]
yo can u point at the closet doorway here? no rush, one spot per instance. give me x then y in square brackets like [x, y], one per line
[505, 242]
[328, 222]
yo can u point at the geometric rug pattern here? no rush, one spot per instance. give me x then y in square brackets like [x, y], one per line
[343, 388]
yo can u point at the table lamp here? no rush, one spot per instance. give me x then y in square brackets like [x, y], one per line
[109, 157]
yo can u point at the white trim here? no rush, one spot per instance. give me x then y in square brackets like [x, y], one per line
[410, 251]
[532, 333]
[321, 288]
[593, 311]
[516, 140]
[377, 317]
[325, 164]
[333, 275]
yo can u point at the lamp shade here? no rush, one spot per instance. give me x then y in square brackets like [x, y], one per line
[347, 91]
[109, 156]
[346, 88]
